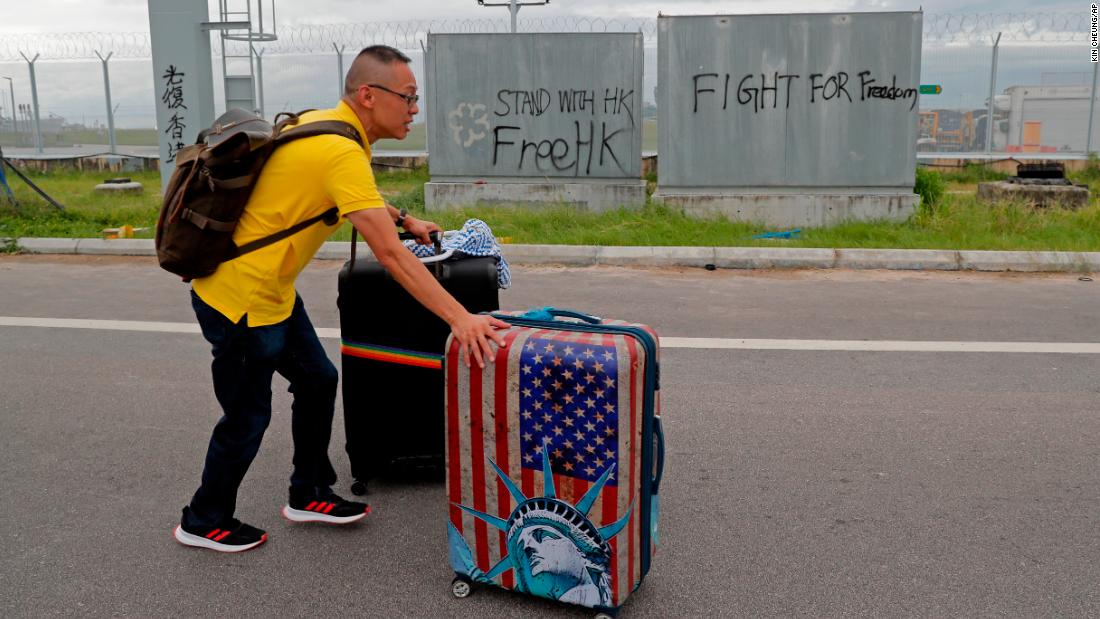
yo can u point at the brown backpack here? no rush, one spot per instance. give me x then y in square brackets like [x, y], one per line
[212, 182]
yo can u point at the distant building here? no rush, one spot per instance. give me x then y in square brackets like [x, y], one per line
[51, 123]
[1046, 119]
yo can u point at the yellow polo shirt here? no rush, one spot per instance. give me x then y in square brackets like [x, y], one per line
[301, 180]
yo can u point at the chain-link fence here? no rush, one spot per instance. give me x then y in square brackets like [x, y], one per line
[1037, 68]
[1043, 81]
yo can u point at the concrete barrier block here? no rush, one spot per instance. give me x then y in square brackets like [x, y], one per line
[1042, 196]
[597, 197]
[900, 259]
[774, 257]
[130, 187]
[790, 210]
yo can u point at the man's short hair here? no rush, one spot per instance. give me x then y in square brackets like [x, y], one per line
[367, 59]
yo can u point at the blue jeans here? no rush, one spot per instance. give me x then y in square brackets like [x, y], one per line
[245, 359]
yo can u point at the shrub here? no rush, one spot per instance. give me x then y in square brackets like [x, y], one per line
[1091, 173]
[930, 187]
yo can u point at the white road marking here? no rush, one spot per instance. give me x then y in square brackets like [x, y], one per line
[666, 342]
[102, 325]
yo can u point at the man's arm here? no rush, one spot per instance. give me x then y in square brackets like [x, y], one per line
[471, 330]
[422, 229]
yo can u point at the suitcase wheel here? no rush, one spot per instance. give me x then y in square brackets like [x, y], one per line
[461, 587]
[359, 488]
[607, 614]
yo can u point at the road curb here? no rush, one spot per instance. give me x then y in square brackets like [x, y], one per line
[719, 257]
[898, 259]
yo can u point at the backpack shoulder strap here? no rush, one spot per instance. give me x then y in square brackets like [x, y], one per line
[283, 136]
[330, 217]
[320, 127]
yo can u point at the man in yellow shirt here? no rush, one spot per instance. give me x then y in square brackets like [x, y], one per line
[257, 325]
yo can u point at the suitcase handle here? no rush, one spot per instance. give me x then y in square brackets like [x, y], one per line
[436, 237]
[659, 435]
[550, 313]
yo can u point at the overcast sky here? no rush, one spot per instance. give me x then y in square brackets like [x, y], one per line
[21, 16]
[74, 89]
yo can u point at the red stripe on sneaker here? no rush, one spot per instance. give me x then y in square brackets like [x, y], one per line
[221, 537]
[329, 508]
[310, 506]
[320, 507]
[211, 534]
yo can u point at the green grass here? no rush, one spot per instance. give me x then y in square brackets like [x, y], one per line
[86, 212]
[956, 221]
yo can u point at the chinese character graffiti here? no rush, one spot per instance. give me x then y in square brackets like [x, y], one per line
[173, 99]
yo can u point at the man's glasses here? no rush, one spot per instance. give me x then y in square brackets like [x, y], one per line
[410, 99]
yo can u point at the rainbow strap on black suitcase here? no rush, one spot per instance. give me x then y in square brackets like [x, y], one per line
[581, 525]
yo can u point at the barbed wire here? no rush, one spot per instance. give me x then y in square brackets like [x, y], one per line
[940, 28]
[1014, 27]
[75, 45]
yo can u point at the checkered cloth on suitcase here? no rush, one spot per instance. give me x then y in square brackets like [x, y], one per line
[474, 239]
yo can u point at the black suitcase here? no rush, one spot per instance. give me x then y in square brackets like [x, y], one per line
[391, 351]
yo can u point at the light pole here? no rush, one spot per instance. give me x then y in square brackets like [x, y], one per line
[14, 125]
[513, 7]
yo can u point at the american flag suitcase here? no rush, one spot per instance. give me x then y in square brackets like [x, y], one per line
[581, 525]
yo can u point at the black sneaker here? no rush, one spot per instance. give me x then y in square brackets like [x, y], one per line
[324, 507]
[231, 536]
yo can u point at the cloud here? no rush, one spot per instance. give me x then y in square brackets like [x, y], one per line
[75, 89]
[132, 15]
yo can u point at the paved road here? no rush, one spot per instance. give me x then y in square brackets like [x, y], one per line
[798, 482]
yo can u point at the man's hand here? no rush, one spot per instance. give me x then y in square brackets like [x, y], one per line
[421, 229]
[473, 332]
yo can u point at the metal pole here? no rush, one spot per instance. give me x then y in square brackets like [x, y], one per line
[1092, 108]
[110, 109]
[992, 89]
[514, 10]
[34, 100]
[259, 79]
[14, 122]
[339, 69]
[252, 58]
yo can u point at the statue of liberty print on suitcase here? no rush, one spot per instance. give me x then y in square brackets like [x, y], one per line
[553, 548]
[547, 461]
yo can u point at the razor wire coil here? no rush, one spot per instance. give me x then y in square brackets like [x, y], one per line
[939, 29]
